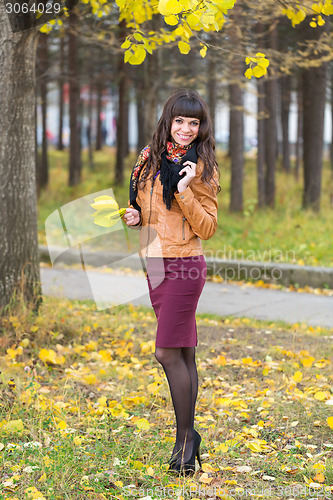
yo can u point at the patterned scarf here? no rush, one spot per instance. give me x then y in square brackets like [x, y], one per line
[172, 162]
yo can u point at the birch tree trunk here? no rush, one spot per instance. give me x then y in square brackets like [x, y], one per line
[19, 266]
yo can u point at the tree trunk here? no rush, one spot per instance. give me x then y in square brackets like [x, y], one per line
[314, 98]
[151, 84]
[261, 145]
[61, 91]
[19, 265]
[211, 87]
[270, 142]
[74, 97]
[271, 131]
[331, 148]
[140, 114]
[42, 64]
[299, 143]
[285, 86]
[89, 129]
[122, 120]
[236, 148]
[99, 89]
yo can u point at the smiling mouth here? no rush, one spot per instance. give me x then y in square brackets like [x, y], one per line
[184, 137]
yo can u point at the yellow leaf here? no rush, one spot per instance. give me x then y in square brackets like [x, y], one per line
[169, 7]
[150, 471]
[153, 388]
[259, 71]
[143, 424]
[307, 362]
[184, 47]
[203, 51]
[320, 395]
[62, 425]
[297, 377]
[171, 20]
[223, 448]
[33, 493]
[105, 355]
[330, 422]
[13, 426]
[246, 361]
[220, 360]
[78, 440]
[90, 379]
[137, 465]
[138, 56]
[205, 479]
[49, 356]
[105, 202]
[42, 478]
[255, 447]
[248, 73]
[319, 478]
[207, 468]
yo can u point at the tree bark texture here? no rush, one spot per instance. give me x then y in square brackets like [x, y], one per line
[122, 119]
[19, 265]
[74, 98]
[314, 98]
[261, 145]
[285, 87]
[270, 141]
[61, 91]
[211, 87]
[299, 141]
[99, 90]
[236, 148]
[42, 65]
[271, 130]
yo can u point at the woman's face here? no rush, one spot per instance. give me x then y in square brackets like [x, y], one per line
[184, 130]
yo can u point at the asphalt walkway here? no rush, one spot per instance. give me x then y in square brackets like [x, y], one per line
[111, 288]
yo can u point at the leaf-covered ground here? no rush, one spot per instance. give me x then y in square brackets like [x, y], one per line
[86, 411]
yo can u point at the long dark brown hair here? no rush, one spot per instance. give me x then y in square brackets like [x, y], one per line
[189, 104]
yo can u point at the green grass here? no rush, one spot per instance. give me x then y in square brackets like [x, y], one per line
[286, 233]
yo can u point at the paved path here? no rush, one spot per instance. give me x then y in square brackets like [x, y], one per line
[107, 289]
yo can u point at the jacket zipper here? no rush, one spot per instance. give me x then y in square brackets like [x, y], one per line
[184, 219]
[151, 196]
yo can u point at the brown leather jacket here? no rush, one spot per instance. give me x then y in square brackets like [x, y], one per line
[177, 232]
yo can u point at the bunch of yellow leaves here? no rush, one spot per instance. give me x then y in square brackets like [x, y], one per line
[107, 212]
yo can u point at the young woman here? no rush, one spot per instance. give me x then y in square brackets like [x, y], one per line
[173, 198]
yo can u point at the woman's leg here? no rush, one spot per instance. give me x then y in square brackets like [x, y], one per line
[189, 358]
[180, 384]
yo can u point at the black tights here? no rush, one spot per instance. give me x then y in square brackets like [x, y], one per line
[181, 371]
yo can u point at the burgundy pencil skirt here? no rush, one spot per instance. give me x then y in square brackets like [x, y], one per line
[175, 285]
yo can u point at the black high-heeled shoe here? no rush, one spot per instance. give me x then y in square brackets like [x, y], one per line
[188, 468]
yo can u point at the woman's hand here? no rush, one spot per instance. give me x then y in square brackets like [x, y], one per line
[131, 217]
[190, 174]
